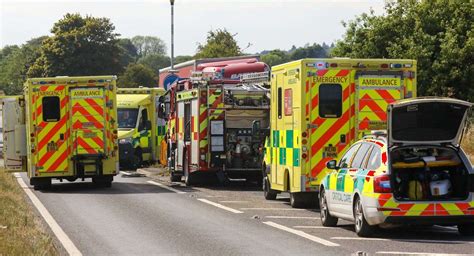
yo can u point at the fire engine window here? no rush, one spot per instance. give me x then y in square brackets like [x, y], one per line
[51, 109]
[330, 100]
[280, 99]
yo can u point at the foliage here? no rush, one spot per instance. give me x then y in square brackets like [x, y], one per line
[129, 50]
[219, 43]
[15, 62]
[438, 34]
[155, 62]
[137, 75]
[182, 58]
[79, 46]
[146, 45]
[276, 57]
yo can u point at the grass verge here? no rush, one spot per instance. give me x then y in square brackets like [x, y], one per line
[21, 231]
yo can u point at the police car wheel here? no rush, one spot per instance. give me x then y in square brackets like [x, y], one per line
[466, 229]
[326, 219]
[362, 228]
[268, 193]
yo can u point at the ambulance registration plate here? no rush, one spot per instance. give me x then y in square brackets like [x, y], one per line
[90, 135]
[330, 151]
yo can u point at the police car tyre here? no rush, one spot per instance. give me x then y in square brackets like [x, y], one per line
[326, 219]
[466, 229]
[268, 193]
[362, 228]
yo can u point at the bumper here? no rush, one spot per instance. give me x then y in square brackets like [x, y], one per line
[435, 220]
[126, 151]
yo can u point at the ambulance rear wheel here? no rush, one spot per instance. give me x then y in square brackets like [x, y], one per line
[466, 229]
[42, 184]
[137, 160]
[175, 177]
[362, 228]
[268, 193]
[303, 199]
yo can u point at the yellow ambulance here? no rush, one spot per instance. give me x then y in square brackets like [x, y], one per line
[63, 128]
[318, 108]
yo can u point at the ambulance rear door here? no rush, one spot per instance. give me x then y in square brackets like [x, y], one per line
[375, 91]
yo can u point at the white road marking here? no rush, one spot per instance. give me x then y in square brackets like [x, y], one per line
[166, 187]
[417, 253]
[219, 205]
[315, 227]
[301, 233]
[273, 209]
[233, 202]
[292, 217]
[125, 173]
[57, 230]
[403, 240]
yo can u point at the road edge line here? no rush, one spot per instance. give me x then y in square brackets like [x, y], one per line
[301, 234]
[63, 238]
[166, 187]
[219, 206]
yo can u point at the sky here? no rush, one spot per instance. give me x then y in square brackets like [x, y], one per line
[259, 25]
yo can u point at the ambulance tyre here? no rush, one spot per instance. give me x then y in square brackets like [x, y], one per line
[103, 181]
[268, 193]
[362, 228]
[327, 219]
[136, 159]
[303, 200]
[175, 177]
[466, 229]
[41, 183]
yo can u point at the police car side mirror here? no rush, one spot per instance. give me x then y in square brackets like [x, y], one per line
[332, 165]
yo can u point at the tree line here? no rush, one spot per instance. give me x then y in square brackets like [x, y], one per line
[438, 34]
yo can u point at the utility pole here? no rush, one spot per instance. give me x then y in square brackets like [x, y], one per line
[172, 34]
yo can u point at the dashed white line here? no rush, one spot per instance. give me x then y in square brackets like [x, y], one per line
[273, 209]
[292, 217]
[166, 187]
[403, 240]
[219, 206]
[301, 233]
[417, 253]
[314, 227]
[57, 230]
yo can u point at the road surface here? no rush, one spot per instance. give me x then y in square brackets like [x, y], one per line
[138, 216]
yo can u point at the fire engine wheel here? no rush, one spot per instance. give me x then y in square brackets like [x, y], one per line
[188, 177]
[466, 229]
[268, 193]
[362, 228]
[326, 219]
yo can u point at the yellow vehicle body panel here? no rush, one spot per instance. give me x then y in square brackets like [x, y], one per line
[321, 106]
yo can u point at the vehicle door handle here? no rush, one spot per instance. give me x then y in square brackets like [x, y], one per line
[61, 136]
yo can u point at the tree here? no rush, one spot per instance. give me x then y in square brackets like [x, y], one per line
[438, 34]
[15, 62]
[79, 46]
[146, 45]
[275, 57]
[182, 58]
[308, 51]
[155, 62]
[219, 43]
[130, 53]
[137, 75]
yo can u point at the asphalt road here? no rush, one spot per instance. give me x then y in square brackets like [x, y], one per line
[135, 217]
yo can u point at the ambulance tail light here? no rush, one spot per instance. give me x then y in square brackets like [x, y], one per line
[304, 149]
[382, 184]
[304, 155]
[304, 134]
[396, 65]
[333, 65]
[304, 141]
[384, 65]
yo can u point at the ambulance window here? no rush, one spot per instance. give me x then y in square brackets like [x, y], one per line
[345, 160]
[360, 156]
[51, 109]
[280, 99]
[374, 159]
[330, 100]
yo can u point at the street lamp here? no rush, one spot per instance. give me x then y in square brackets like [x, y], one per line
[172, 34]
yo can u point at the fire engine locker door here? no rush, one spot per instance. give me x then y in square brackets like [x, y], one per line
[50, 116]
[331, 111]
[88, 120]
[375, 91]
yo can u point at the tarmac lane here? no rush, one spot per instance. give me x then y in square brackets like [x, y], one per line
[137, 216]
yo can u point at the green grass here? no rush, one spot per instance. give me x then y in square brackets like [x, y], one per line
[21, 231]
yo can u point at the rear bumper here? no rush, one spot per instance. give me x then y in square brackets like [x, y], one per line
[435, 220]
